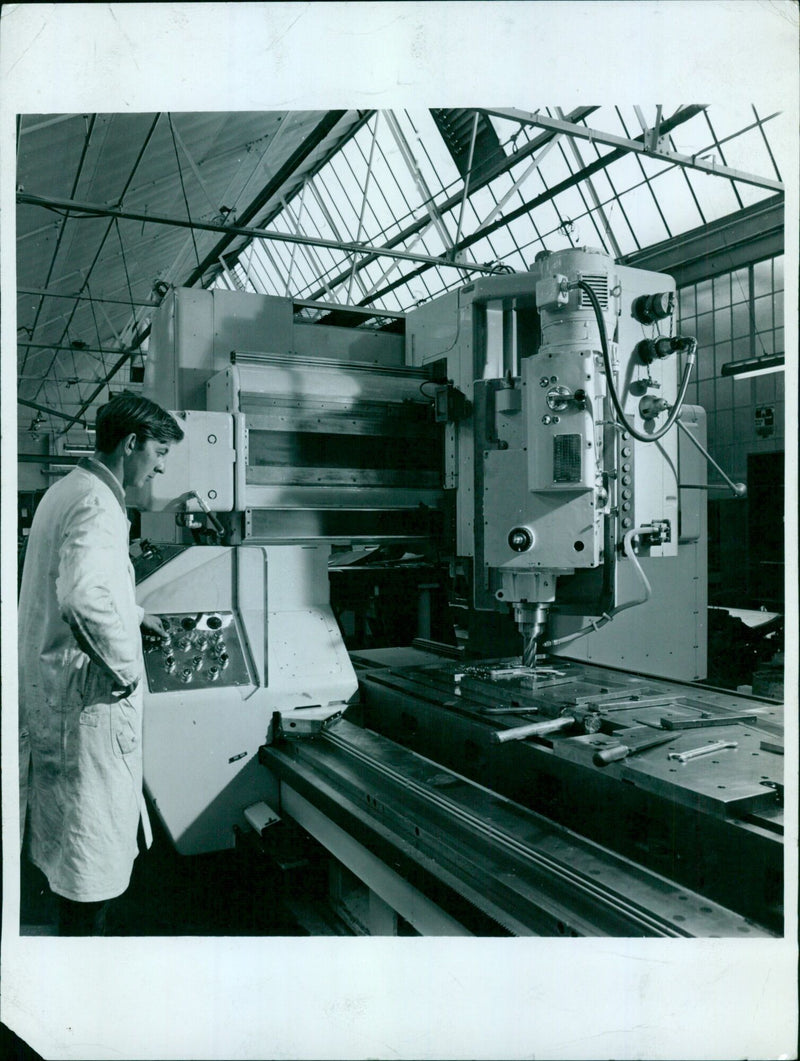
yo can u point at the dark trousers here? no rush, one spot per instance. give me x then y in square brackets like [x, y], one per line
[82, 919]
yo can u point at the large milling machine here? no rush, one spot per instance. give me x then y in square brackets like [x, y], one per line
[556, 769]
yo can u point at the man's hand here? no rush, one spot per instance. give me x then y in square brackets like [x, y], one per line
[153, 626]
[123, 694]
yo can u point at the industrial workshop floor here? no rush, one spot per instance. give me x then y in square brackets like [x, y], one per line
[232, 893]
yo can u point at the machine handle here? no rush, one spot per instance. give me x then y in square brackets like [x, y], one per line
[610, 755]
[535, 729]
[700, 723]
[739, 489]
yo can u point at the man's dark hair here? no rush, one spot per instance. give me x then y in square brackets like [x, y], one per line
[128, 414]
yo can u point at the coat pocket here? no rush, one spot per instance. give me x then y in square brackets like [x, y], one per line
[98, 685]
[125, 731]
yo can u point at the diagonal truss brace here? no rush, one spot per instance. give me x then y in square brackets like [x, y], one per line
[584, 133]
[99, 210]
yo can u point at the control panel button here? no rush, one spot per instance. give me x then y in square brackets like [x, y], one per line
[207, 649]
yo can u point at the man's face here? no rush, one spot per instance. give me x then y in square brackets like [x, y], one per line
[145, 462]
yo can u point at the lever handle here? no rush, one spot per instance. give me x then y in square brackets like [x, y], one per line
[535, 729]
[610, 755]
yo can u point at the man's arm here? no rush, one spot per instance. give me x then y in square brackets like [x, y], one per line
[92, 590]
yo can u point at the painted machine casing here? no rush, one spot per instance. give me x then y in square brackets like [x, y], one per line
[201, 741]
[570, 476]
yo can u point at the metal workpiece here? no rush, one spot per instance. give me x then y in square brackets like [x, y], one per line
[493, 865]
[711, 748]
[713, 823]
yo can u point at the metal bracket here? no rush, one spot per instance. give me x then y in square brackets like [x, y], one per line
[303, 722]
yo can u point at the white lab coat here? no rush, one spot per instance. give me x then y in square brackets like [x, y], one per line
[79, 645]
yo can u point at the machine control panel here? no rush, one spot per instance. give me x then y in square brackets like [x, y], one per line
[201, 650]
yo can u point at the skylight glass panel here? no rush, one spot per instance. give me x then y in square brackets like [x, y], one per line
[625, 173]
[676, 201]
[691, 136]
[525, 228]
[505, 128]
[429, 149]
[569, 204]
[316, 220]
[411, 294]
[370, 274]
[602, 187]
[525, 172]
[341, 187]
[503, 183]
[644, 217]
[483, 251]
[651, 167]
[546, 218]
[552, 170]
[502, 244]
[306, 269]
[714, 194]
[620, 228]
[750, 194]
[393, 204]
[389, 302]
[265, 275]
[480, 204]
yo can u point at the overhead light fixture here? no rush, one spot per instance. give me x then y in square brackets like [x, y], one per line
[753, 366]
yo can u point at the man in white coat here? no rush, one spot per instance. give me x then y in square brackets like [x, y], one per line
[80, 656]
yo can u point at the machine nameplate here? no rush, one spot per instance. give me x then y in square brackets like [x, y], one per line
[203, 651]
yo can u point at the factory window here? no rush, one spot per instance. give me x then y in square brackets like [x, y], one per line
[736, 316]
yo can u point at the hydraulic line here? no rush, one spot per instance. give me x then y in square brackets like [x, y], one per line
[598, 624]
[687, 371]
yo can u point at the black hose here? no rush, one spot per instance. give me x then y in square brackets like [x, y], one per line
[676, 408]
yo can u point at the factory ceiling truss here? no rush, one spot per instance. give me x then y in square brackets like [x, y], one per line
[358, 216]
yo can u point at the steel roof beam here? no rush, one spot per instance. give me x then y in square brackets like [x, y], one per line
[537, 161]
[105, 235]
[453, 201]
[637, 146]
[84, 151]
[729, 243]
[50, 412]
[98, 210]
[576, 154]
[531, 204]
[81, 298]
[427, 197]
[73, 349]
[327, 124]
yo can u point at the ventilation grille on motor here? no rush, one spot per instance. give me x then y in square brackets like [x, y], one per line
[598, 284]
[567, 458]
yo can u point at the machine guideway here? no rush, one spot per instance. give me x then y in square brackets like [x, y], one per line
[695, 822]
[529, 875]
